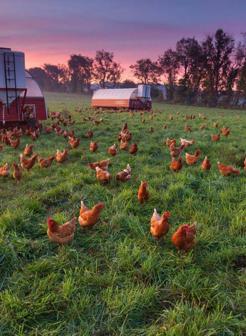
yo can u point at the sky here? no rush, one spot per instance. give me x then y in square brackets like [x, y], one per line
[48, 31]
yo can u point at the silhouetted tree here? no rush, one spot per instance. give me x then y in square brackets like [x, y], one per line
[40, 76]
[241, 61]
[217, 51]
[81, 72]
[170, 64]
[146, 71]
[106, 69]
[190, 56]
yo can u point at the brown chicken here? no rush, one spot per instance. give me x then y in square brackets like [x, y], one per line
[176, 151]
[186, 143]
[124, 134]
[103, 164]
[143, 193]
[123, 145]
[133, 149]
[89, 217]
[93, 146]
[89, 134]
[187, 128]
[4, 170]
[227, 170]
[28, 150]
[225, 131]
[176, 165]
[184, 237]
[170, 142]
[48, 130]
[14, 142]
[192, 158]
[45, 162]
[27, 163]
[112, 150]
[17, 174]
[215, 137]
[73, 142]
[159, 225]
[206, 165]
[61, 156]
[124, 175]
[61, 234]
[103, 176]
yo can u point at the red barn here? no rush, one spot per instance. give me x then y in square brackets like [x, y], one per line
[21, 99]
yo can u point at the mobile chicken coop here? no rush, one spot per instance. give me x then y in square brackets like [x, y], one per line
[133, 99]
[21, 99]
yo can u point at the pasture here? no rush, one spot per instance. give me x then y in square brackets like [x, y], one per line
[115, 279]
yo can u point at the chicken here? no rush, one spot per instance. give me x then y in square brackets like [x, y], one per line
[28, 150]
[14, 142]
[89, 134]
[73, 142]
[124, 175]
[186, 143]
[124, 134]
[187, 128]
[103, 176]
[133, 148]
[61, 156]
[175, 151]
[170, 142]
[103, 164]
[176, 165]
[159, 225]
[48, 130]
[27, 163]
[61, 234]
[17, 174]
[93, 146]
[123, 145]
[112, 150]
[143, 193]
[45, 162]
[244, 163]
[184, 237]
[215, 137]
[206, 165]
[225, 131]
[89, 217]
[192, 158]
[227, 170]
[4, 170]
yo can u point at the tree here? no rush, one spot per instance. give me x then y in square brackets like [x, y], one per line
[106, 69]
[241, 61]
[40, 76]
[217, 51]
[127, 83]
[81, 72]
[58, 76]
[190, 56]
[170, 64]
[146, 71]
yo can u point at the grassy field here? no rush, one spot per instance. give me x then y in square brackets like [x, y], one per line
[115, 279]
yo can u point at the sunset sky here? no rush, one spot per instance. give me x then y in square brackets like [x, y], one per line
[48, 31]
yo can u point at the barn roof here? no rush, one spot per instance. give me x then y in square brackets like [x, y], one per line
[115, 94]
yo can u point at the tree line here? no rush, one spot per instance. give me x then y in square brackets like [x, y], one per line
[194, 72]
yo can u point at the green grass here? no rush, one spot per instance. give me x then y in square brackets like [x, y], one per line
[115, 279]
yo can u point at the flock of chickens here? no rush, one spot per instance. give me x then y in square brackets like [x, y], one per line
[183, 238]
